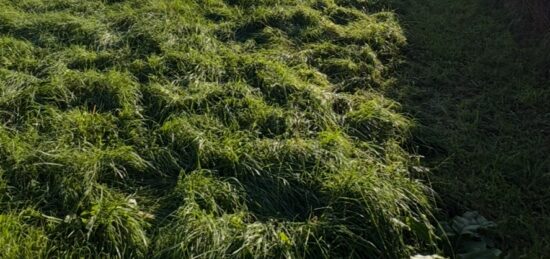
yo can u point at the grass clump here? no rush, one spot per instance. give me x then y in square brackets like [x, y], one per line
[205, 129]
[19, 239]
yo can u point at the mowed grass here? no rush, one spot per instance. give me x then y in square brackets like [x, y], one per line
[480, 89]
[219, 128]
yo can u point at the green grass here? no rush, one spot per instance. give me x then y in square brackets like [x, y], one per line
[220, 128]
[270, 129]
[480, 94]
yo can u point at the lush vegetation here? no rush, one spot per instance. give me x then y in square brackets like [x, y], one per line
[271, 129]
[178, 129]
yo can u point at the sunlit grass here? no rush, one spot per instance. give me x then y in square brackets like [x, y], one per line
[176, 129]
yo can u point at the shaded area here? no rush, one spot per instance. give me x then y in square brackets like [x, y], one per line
[481, 98]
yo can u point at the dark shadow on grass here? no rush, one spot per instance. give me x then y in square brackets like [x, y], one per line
[481, 102]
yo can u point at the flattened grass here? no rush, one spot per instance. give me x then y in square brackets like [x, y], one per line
[212, 129]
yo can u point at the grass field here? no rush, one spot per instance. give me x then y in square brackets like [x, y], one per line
[268, 129]
[480, 91]
[177, 129]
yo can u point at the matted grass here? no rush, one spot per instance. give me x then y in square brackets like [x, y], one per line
[177, 129]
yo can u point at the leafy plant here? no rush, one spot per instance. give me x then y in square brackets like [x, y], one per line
[467, 234]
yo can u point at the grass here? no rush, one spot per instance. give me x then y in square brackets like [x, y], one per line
[531, 16]
[270, 129]
[480, 94]
[220, 128]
